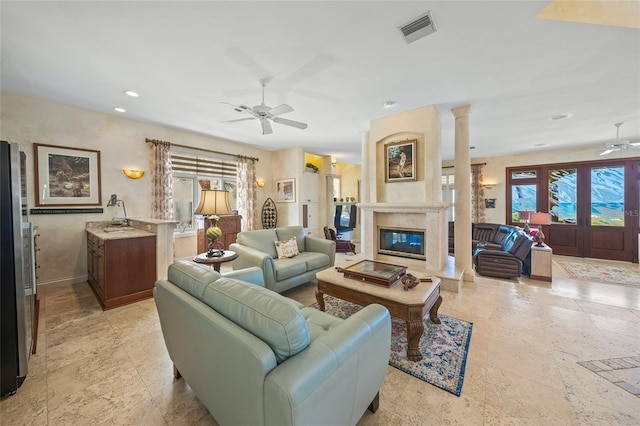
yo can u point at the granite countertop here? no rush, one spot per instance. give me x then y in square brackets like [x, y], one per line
[126, 232]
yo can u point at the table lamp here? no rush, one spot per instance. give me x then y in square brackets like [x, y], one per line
[213, 202]
[524, 217]
[539, 218]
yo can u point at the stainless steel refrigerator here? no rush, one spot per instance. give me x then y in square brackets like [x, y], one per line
[17, 285]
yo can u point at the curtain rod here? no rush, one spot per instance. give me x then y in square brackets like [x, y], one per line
[155, 141]
[473, 164]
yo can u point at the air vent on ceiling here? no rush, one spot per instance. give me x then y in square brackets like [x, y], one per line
[418, 28]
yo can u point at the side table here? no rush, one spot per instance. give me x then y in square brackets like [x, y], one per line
[541, 260]
[215, 262]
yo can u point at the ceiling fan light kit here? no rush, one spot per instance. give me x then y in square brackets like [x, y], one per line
[618, 145]
[264, 113]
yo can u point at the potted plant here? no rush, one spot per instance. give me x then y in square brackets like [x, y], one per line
[311, 168]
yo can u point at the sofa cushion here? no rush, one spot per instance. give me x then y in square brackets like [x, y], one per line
[260, 239]
[287, 232]
[269, 316]
[314, 260]
[319, 322]
[191, 277]
[287, 268]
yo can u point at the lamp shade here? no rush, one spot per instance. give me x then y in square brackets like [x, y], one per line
[524, 216]
[539, 218]
[213, 202]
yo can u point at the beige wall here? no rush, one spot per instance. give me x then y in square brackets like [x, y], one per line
[121, 143]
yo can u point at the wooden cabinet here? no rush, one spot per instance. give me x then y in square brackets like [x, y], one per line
[122, 270]
[230, 226]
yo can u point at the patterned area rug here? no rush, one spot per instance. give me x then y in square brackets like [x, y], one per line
[444, 347]
[625, 275]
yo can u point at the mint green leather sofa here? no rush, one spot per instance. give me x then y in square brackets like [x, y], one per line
[257, 248]
[254, 357]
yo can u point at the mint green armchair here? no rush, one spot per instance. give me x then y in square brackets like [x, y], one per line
[254, 357]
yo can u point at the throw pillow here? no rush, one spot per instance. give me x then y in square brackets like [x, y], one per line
[287, 248]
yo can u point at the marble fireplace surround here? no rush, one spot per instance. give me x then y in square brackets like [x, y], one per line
[430, 217]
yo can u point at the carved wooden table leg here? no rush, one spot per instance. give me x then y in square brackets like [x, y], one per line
[433, 312]
[415, 328]
[320, 299]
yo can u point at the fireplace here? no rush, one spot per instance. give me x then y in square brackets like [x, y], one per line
[402, 242]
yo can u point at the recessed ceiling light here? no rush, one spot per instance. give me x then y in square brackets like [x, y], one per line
[132, 93]
[560, 117]
[472, 147]
[388, 104]
[540, 144]
[119, 109]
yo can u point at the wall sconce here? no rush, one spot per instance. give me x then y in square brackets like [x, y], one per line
[488, 185]
[261, 183]
[133, 174]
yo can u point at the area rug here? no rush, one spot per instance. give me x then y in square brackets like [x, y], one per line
[444, 346]
[624, 275]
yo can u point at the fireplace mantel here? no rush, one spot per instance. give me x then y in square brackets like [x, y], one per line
[404, 207]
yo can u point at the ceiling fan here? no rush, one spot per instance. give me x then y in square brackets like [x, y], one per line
[264, 113]
[618, 145]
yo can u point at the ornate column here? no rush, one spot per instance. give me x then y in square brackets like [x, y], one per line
[462, 165]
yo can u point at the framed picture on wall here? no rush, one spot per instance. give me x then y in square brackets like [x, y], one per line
[66, 176]
[286, 191]
[400, 161]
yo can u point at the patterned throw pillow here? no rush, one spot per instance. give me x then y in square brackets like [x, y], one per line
[287, 248]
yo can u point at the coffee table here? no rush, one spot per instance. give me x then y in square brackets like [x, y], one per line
[409, 305]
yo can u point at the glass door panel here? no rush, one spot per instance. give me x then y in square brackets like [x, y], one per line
[523, 198]
[563, 196]
[607, 196]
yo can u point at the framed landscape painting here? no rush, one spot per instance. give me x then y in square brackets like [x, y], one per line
[66, 176]
[286, 191]
[400, 161]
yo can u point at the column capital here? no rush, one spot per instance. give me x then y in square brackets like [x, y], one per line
[461, 111]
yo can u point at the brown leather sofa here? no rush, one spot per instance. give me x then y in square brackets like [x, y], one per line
[498, 250]
[510, 260]
[487, 235]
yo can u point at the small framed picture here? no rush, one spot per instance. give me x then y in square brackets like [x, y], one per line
[400, 161]
[286, 191]
[490, 203]
[66, 176]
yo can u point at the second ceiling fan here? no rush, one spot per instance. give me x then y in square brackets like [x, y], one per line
[264, 113]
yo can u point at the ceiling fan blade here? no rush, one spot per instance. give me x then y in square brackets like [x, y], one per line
[280, 109]
[291, 123]
[239, 108]
[607, 151]
[266, 127]
[634, 144]
[238, 119]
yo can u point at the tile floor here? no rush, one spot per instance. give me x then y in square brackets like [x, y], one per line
[526, 364]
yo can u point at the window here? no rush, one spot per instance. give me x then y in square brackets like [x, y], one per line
[190, 174]
[449, 192]
[607, 196]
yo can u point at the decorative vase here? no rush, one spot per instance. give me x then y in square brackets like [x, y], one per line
[213, 234]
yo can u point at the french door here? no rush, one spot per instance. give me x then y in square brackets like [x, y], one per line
[593, 206]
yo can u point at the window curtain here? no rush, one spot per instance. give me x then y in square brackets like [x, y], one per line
[161, 182]
[247, 197]
[477, 194]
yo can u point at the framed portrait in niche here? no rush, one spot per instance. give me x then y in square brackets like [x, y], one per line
[286, 191]
[66, 176]
[400, 161]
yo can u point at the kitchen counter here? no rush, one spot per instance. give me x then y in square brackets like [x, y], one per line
[114, 233]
